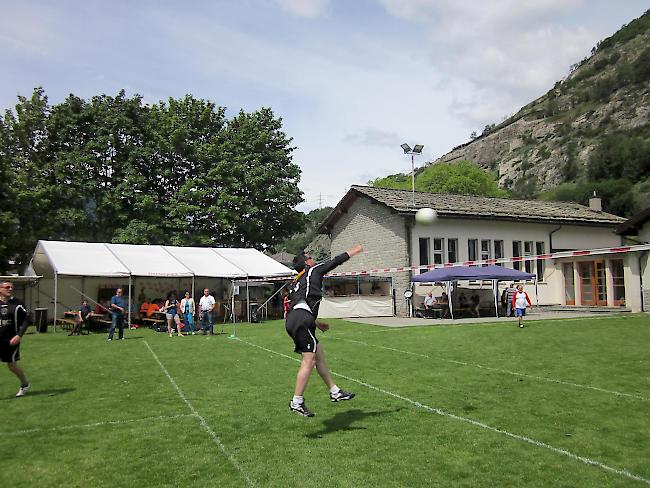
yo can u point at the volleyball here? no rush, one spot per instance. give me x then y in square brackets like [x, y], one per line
[425, 216]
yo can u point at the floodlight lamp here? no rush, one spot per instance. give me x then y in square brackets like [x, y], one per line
[418, 148]
[406, 147]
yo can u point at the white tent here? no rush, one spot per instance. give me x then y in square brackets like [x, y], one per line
[54, 259]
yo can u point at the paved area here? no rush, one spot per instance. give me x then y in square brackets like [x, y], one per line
[534, 315]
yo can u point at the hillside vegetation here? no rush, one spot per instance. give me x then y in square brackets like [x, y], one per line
[588, 133]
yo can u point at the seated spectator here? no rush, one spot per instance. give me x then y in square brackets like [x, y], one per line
[443, 302]
[144, 308]
[102, 307]
[429, 301]
[153, 307]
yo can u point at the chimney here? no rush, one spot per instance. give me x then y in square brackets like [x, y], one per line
[596, 203]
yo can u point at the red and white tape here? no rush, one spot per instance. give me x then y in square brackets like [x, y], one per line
[518, 259]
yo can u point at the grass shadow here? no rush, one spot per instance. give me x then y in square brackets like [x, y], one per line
[50, 392]
[343, 421]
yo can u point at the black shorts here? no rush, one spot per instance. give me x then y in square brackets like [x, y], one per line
[301, 326]
[9, 353]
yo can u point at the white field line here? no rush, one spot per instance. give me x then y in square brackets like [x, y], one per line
[98, 424]
[476, 423]
[499, 370]
[202, 420]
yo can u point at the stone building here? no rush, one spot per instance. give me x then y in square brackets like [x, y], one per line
[481, 228]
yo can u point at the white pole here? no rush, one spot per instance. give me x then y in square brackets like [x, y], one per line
[56, 284]
[495, 289]
[450, 290]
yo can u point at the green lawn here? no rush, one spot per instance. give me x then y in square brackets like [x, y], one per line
[558, 404]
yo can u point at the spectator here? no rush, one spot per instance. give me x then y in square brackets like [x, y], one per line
[286, 303]
[206, 305]
[144, 308]
[510, 292]
[475, 304]
[443, 302]
[171, 310]
[153, 307]
[83, 317]
[118, 307]
[188, 309]
[429, 301]
[101, 308]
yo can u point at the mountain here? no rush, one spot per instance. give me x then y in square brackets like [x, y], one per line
[591, 130]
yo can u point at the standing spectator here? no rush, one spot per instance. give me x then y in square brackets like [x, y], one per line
[286, 304]
[520, 301]
[306, 293]
[188, 309]
[206, 305]
[172, 311]
[475, 302]
[118, 307]
[13, 324]
[510, 292]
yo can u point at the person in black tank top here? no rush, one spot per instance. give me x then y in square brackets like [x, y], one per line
[305, 294]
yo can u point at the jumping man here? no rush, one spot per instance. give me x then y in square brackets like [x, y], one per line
[305, 294]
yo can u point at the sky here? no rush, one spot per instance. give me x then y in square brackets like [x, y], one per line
[351, 79]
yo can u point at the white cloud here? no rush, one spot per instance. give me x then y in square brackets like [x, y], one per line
[305, 8]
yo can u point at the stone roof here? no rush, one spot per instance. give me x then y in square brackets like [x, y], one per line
[470, 207]
[632, 225]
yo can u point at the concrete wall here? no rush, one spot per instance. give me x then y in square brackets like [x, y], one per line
[383, 236]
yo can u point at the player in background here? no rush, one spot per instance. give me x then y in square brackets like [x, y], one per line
[13, 324]
[520, 300]
[305, 294]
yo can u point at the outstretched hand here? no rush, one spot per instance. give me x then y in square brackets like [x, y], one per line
[322, 326]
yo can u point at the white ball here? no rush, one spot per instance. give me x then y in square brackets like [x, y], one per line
[425, 216]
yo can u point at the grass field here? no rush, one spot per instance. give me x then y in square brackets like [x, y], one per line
[557, 404]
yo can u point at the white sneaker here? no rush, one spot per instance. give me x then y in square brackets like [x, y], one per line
[23, 390]
[193, 333]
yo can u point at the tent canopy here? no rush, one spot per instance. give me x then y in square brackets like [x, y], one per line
[456, 273]
[122, 260]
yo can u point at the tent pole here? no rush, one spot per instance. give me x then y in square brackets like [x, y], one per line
[450, 298]
[56, 285]
[232, 311]
[536, 293]
[495, 289]
[248, 303]
[130, 303]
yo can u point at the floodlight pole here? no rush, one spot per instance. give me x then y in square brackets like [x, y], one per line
[417, 149]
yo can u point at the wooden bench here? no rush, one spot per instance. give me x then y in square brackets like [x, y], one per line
[66, 323]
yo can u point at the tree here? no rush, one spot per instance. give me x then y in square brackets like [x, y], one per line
[114, 169]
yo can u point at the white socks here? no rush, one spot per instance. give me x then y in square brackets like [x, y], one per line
[297, 400]
[334, 390]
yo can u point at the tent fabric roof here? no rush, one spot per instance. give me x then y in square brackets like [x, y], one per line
[455, 273]
[119, 260]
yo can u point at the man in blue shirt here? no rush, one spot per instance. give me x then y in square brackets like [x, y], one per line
[118, 308]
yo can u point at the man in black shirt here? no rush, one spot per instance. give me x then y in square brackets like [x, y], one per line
[13, 324]
[305, 294]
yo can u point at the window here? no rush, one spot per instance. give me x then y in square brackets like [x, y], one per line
[516, 252]
[424, 251]
[498, 251]
[486, 250]
[452, 250]
[472, 249]
[438, 249]
[540, 263]
[528, 251]
[618, 277]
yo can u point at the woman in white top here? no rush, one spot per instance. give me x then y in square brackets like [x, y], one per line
[188, 310]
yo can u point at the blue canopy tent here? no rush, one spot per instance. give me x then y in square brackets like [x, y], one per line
[455, 273]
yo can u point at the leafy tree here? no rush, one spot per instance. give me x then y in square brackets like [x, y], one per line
[114, 169]
[462, 178]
